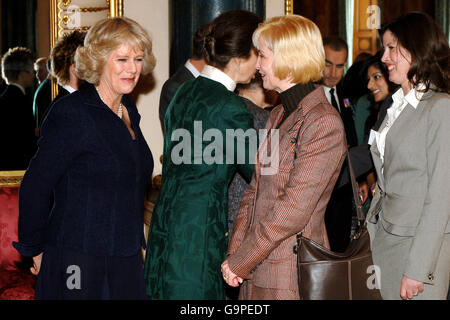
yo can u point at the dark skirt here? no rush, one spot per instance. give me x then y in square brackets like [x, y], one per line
[68, 274]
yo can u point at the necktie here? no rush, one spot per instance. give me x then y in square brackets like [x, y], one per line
[333, 100]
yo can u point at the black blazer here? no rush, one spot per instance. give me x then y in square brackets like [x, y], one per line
[97, 174]
[347, 118]
[42, 100]
[169, 89]
[17, 139]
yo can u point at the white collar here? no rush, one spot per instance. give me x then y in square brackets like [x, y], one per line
[412, 97]
[18, 86]
[328, 88]
[69, 88]
[215, 74]
[191, 68]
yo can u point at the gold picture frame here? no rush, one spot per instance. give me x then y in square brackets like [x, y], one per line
[288, 7]
[11, 178]
[69, 15]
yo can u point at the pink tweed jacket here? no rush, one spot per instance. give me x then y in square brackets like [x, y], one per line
[276, 207]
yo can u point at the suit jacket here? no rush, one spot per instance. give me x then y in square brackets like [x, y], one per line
[293, 198]
[412, 197]
[338, 216]
[61, 93]
[347, 118]
[189, 234]
[3, 86]
[169, 89]
[97, 174]
[42, 100]
[17, 139]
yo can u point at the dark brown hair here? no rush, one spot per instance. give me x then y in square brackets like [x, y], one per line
[335, 43]
[376, 62]
[63, 53]
[198, 41]
[430, 53]
[230, 35]
[15, 61]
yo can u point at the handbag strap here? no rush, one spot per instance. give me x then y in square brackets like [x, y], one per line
[355, 189]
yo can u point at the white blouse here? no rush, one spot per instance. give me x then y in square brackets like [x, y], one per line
[400, 102]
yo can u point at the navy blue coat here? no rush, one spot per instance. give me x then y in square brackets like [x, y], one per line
[97, 174]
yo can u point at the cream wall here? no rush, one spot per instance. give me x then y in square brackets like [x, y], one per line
[154, 17]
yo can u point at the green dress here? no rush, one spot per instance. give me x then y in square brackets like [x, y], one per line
[188, 234]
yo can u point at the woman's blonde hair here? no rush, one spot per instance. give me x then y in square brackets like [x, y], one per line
[103, 38]
[297, 47]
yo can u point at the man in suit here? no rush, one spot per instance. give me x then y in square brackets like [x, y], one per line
[2, 82]
[190, 70]
[338, 216]
[43, 94]
[62, 65]
[17, 139]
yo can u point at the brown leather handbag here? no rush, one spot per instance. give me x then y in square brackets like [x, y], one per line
[327, 275]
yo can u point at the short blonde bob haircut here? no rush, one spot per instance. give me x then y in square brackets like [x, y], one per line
[103, 38]
[297, 47]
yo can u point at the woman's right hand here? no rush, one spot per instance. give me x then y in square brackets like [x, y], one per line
[36, 264]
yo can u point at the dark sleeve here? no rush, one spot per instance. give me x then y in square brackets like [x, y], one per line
[57, 146]
[167, 93]
[361, 161]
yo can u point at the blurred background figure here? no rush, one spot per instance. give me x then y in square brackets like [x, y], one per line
[355, 91]
[62, 59]
[190, 70]
[2, 81]
[43, 94]
[381, 90]
[17, 136]
[338, 216]
[40, 67]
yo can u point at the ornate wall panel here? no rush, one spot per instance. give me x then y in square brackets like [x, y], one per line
[70, 15]
[367, 19]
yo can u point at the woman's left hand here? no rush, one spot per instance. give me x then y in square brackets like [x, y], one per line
[410, 288]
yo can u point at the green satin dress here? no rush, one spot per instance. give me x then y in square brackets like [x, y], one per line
[188, 234]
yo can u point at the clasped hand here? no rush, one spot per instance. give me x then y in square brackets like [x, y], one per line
[230, 278]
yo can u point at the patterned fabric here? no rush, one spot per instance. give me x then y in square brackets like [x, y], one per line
[188, 235]
[238, 185]
[276, 207]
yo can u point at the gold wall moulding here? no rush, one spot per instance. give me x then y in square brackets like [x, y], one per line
[11, 178]
[69, 15]
[91, 9]
[288, 7]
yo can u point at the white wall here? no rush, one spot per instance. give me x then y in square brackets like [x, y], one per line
[154, 17]
[274, 8]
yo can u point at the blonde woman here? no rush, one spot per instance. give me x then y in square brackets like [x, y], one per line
[311, 150]
[94, 160]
